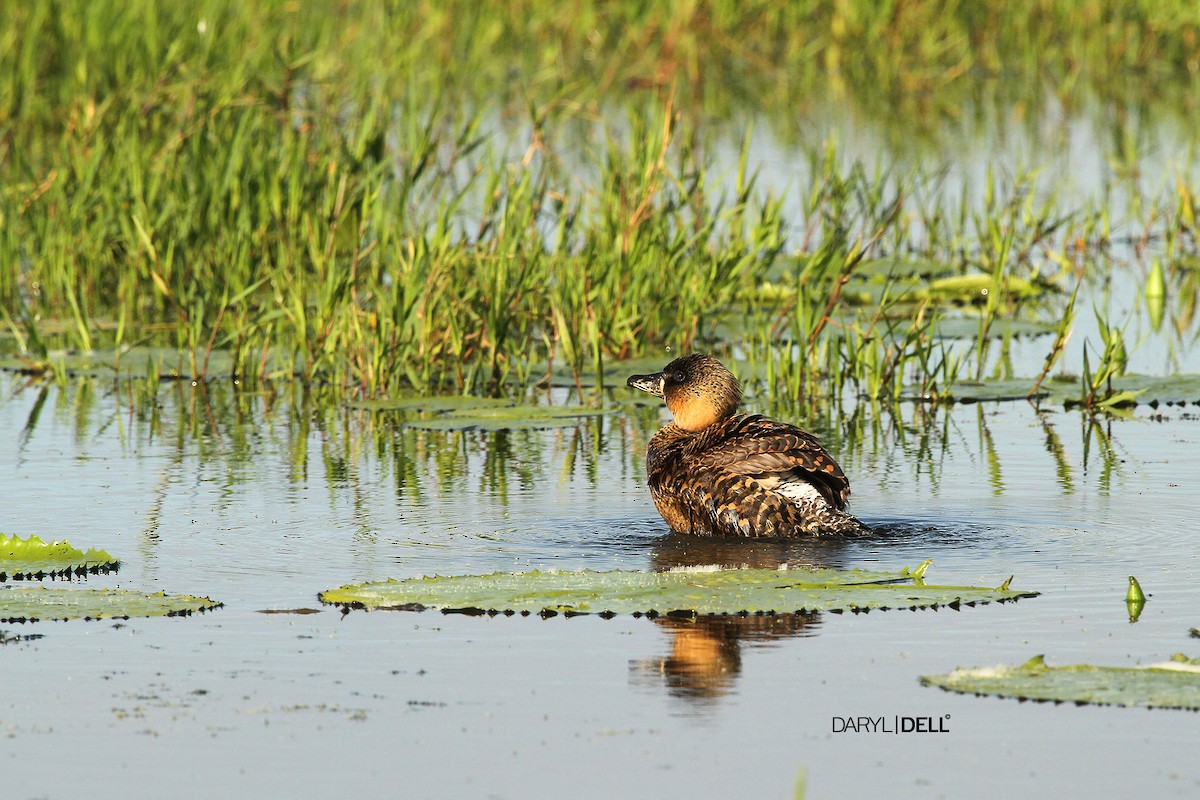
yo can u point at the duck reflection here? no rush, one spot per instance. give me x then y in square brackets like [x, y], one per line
[705, 653]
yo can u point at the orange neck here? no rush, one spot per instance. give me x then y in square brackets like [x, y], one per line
[694, 414]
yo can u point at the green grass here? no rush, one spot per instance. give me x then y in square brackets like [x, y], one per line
[459, 196]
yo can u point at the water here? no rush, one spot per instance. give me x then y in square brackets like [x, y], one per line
[263, 501]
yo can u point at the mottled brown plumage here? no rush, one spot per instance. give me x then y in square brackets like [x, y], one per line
[715, 472]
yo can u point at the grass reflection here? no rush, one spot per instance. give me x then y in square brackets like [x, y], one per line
[224, 432]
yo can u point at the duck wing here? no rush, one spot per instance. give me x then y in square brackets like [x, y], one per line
[782, 457]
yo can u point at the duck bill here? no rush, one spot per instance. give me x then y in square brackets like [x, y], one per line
[651, 384]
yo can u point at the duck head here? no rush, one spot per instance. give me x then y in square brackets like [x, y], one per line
[699, 391]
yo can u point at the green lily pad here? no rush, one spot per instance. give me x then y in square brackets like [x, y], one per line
[435, 403]
[915, 281]
[507, 418]
[1173, 684]
[868, 282]
[138, 362]
[968, 328]
[1128, 389]
[1174, 389]
[883, 269]
[38, 603]
[967, 391]
[34, 559]
[614, 372]
[975, 288]
[688, 593]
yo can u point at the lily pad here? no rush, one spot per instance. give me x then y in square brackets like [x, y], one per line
[684, 592]
[867, 284]
[138, 362]
[614, 372]
[507, 418]
[1132, 389]
[1171, 389]
[38, 603]
[915, 281]
[968, 328]
[1173, 684]
[34, 559]
[883, 269]
[967, 391]
[434, 403]
[974, 288]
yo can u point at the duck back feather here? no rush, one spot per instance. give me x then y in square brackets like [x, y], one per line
[747, 475]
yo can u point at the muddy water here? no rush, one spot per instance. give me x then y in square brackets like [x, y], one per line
[263, 501]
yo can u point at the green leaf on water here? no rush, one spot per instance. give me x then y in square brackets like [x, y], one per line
[891, 269]
[1135, 593]
[1135, 600]
[975, 288]
[429, 403]
[38, 603]
[968, 391]
[1122, 399]
[34, 559]
[964, 327]
[683, 592]
[1173, 389]
[459, 412]
[143, 361]
[613, 372]
[1128, 390]
[1173, 684]
[507, 418]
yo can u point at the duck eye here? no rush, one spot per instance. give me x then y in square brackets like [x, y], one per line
[678, 377]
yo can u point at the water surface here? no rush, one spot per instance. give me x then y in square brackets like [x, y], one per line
[262, 501]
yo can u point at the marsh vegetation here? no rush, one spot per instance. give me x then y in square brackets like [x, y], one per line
[302, 294]
[455, 197]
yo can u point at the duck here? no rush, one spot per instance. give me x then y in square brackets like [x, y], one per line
[715, 472]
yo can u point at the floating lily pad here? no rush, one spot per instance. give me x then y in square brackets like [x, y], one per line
[436, 403]
[968, 328]
[1133, 389]
[38, 603]
[478, 413]
[507, 418]
[1173, 684]
[916, 281]
[691, 592]
[967, 391]
[882, 269]
[34, 559]
[614, 372]
[297, 611]
[1174, 389]
[139, 362]
[867, 284]
[975, 288]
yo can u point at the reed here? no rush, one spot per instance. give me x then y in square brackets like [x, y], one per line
[456, 196]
